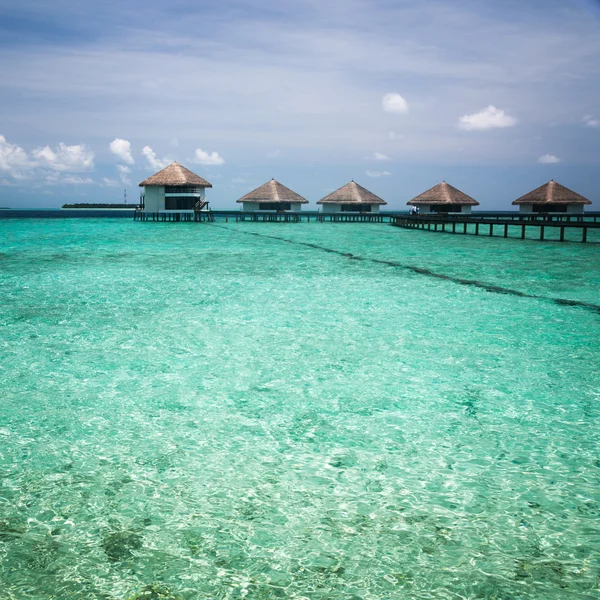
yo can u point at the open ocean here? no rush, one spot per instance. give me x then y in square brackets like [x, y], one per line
[310, 411]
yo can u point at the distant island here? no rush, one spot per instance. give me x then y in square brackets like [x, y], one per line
[100, 205]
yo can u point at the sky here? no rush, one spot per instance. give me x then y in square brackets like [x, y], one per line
[496, 98]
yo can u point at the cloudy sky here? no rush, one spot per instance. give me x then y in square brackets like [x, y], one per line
[494, 97]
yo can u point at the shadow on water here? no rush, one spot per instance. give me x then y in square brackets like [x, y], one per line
[427, 272]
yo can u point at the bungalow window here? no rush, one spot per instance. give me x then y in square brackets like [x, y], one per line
[549, 208]
[182, 189]
[275, 206]
[446, 208]
[356, 207]
[180, 202]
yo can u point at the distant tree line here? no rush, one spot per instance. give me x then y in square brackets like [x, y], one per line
[99, 205]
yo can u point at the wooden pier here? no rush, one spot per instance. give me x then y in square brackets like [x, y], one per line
[497, 225]
[262, 216]
[175, 217]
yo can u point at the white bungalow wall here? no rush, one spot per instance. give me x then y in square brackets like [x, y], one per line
[572, 209]
[425, 209]
[154, 198]
[337, 208]
[253, 206]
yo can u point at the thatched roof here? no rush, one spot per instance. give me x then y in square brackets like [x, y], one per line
[273, 191]
[443, 193]
[352, 193]
[552, 193]
[176, 174]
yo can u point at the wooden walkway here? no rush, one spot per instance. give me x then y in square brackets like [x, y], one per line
[263, 216]
[175, 217]
[495, 224]
[498, 225]
[592, 216]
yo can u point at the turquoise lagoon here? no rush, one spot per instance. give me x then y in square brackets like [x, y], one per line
[275, 411]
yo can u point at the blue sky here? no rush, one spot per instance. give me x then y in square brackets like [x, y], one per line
[494, 97]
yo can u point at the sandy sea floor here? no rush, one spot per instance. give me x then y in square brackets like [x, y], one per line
[195, 411]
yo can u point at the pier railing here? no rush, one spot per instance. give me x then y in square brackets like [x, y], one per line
[592, 217]
[265, 216]
[498, 224]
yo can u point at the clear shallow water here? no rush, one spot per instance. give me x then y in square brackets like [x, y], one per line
[226, 415]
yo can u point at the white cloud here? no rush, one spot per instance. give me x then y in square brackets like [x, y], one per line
[110, 182]
[57, 178]
[591, 121]
[380, 156]
[377, 173]
[155, 163]
[392, 135]
[13, 159]
[487, 118]
[362, 50]
[204, 158]
[124, 171]
[548, 159]
[19, 165]
[238, 180]
[76, 180]
[122, 149]
[274, 154]
[74, 159]
[394, 103]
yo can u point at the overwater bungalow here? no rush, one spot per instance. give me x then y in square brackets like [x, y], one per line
[351, 197]
[272, 196]
[174, 189]
[551, 198]
[443, 198]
